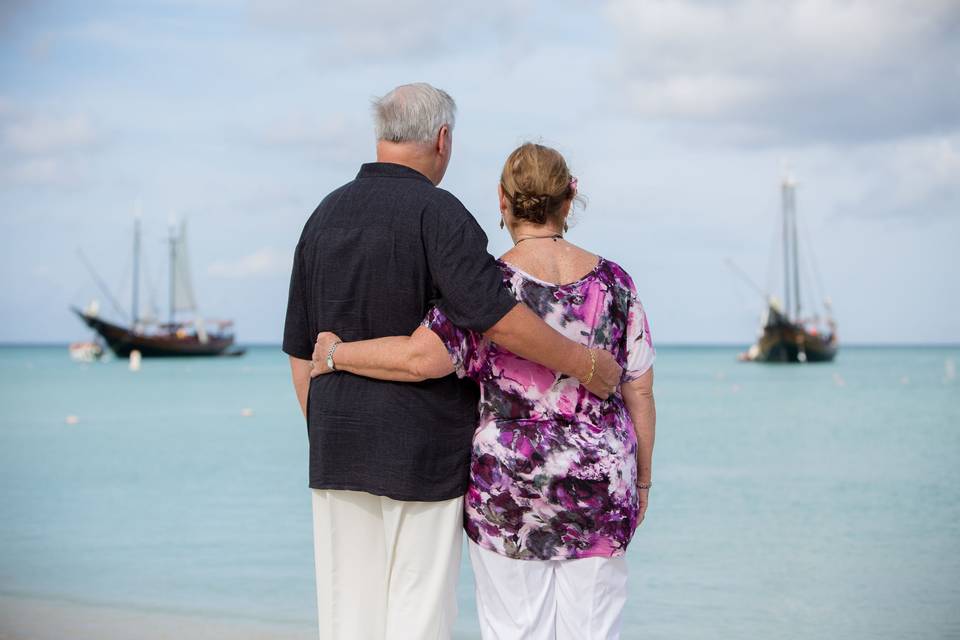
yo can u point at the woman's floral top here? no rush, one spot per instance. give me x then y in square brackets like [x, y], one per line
[553, 472]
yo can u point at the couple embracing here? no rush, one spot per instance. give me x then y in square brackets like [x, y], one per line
[539, 447]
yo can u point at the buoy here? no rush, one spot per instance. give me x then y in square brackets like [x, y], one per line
[135, 360]
[246, 412]
[838, 380]
[72, 419]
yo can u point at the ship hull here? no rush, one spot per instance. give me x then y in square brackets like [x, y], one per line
[791, 343]
[122, 341]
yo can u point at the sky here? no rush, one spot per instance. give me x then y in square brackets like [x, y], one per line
[679, 118]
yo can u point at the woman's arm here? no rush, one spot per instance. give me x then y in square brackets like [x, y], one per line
[401, 358]
[638, 396]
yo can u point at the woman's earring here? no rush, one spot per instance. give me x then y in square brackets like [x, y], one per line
[501, 223]
[566, 227]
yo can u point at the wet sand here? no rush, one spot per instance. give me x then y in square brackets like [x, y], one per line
[42, 619]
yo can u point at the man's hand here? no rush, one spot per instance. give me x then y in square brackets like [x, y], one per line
[606, 377]
[325, 340]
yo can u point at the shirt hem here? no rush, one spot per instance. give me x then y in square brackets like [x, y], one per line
[482, 323]
[384, 493]
[636, 374]
[296, 353]
[484, 545]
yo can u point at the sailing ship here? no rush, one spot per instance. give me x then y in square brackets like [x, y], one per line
[176, 336]
[788, 332]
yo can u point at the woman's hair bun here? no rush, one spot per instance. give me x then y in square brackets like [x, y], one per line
[536, 182]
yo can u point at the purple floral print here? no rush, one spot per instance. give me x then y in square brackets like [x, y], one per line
[553, 470]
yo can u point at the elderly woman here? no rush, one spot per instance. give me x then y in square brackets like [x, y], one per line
[559, 478]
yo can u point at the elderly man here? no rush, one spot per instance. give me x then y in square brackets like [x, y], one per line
[389, 462]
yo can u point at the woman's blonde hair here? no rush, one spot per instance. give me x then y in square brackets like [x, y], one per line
[537, 182]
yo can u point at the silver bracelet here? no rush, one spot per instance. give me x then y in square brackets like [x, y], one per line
[644, 485]
[333, 348]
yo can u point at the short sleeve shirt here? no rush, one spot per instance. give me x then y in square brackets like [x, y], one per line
[553, 470]
[374, 257]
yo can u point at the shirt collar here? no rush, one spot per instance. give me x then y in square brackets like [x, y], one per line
[389, 170]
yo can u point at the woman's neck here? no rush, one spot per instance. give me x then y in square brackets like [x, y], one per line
[525, 230]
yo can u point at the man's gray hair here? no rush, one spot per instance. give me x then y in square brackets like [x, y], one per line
[413, 113]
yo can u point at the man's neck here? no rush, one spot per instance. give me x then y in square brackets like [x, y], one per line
[409, 155]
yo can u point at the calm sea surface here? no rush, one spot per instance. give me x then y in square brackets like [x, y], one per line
[818, 501]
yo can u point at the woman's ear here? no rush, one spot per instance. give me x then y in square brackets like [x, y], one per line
[504, 203]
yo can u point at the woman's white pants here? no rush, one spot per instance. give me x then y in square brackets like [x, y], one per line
[386, 569]
[548, 599]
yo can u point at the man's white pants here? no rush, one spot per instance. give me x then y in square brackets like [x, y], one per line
[386, 569]
[548, 599]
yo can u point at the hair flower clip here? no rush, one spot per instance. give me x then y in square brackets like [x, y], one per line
[573, 184]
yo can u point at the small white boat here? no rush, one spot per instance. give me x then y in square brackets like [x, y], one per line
[85, 351]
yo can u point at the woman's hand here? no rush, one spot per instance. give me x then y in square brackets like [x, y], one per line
[325, 340]
[606, 374]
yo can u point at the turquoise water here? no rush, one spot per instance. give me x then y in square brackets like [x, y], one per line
[789, 501]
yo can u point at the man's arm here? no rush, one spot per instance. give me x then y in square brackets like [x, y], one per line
[527, 335]
[300, 371]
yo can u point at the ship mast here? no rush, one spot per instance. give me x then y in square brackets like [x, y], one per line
[135, 303]
[791, 269]
[173, 273]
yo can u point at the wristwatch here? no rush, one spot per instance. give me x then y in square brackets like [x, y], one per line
[333, 348]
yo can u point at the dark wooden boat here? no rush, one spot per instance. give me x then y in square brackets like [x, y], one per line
[787, 333]
[784, 341]
[179, 342]
[175, 337]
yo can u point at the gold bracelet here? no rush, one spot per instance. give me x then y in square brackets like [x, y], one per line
[593, 367]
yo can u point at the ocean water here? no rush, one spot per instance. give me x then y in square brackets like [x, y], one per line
[817, 501]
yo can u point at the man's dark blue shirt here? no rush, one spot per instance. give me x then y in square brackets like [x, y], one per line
[373, 258]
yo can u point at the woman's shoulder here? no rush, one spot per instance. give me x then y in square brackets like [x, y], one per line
[614, 275]
[511, 276]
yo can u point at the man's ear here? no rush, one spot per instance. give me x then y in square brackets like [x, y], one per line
[443, 140]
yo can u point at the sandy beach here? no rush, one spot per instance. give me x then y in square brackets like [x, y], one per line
[43, 619]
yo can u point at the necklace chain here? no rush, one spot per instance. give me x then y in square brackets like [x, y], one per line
[554, 237]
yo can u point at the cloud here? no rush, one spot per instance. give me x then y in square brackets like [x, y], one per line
[9, 10]
[803, 70]
[40, 172]
[46, 134]
[306, 130]
[266, 261]
[388, 30]
[312, 131]
[44, 149]
[333, 140]
[909, 179]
